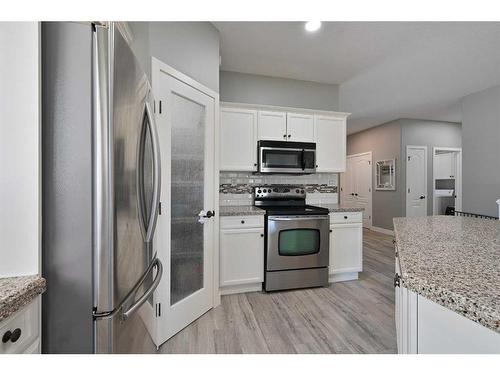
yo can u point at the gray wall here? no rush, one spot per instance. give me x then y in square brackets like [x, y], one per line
[389, 141]
[66, 188]
[257, 89]
[481, 151]
[384, 142]
[430, 134]
[190, 47]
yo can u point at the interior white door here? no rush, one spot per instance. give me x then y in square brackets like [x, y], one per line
[416, 181]
[346, 184]
[300, 127]
[357, 187]
[362, 170]
[186, 131]
[272, 126]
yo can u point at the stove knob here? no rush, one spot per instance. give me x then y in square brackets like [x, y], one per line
[302, 191]
[265, 191]
[275, 190]
[259, 191]
[297, 191]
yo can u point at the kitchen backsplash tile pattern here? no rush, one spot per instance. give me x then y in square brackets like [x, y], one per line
[243, 182]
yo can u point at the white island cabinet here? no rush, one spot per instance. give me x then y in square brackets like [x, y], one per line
[241, 254]
[425, 327]
[346, 246]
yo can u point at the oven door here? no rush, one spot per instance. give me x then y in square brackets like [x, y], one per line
[295, 242]
[287, 160]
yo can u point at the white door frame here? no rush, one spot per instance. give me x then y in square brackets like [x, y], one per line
[157, 68]
[408, 147]
[458, 176]
[371, 180]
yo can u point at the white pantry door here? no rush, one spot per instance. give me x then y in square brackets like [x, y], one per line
[416, 181]
[185, 238]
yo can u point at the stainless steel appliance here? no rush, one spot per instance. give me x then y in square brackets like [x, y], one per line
[286, 157]
[297, 239]
[107, 255]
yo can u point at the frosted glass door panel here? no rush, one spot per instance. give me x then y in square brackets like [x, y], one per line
[187, 153]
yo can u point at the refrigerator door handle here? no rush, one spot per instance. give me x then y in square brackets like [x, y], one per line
[156, 175]
[148, 227]
[127, 307]
[130, 309]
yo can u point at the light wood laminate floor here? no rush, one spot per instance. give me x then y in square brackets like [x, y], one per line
[347, 317]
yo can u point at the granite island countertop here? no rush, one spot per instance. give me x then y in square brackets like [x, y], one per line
[453, 261]
[17, 292]
[246, 210]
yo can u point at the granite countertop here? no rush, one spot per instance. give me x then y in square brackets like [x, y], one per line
[240, 210]
[17, 292]
[453, 261]
[334, 207]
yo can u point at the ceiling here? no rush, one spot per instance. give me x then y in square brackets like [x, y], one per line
[386, 70]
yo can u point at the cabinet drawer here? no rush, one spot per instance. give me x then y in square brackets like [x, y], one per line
[346, 217]
[234, 222]
[27, 320]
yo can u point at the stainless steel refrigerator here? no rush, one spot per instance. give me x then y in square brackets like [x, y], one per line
[101, 186]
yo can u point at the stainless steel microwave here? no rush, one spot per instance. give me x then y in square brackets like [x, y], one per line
[286, 157]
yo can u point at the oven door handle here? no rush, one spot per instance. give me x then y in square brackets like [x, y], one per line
[299, 218]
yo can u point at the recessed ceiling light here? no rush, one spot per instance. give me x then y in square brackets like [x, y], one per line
[312, 26]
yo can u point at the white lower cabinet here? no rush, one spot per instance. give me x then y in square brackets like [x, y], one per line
[346, 246]
[22, 331]
[241, 254]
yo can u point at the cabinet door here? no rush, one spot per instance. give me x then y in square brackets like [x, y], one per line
[330, 144]
[445, 166]
[241, 256]
[300, 127]
[272, 126]
[238, 135]
[346, 248]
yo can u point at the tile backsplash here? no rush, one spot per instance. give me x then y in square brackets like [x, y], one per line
[236, 188]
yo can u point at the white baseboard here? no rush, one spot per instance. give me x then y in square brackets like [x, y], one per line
[245, 288]
[382, 230]
[334, 278]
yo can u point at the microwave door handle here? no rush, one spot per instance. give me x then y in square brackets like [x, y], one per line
[303, 160]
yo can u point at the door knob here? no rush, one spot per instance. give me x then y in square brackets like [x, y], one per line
[422, 197]
[210, 214]
[289, 135]
[356, 194]
[205, 215]
[352, 194]
[284, 136]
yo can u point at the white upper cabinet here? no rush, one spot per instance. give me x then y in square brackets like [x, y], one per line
[330, 143]
[300, 127]
[272, 126]
[445, 166]
[238, 137]
[242, 125]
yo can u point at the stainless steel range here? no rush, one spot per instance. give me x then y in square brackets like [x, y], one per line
[296, 239]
